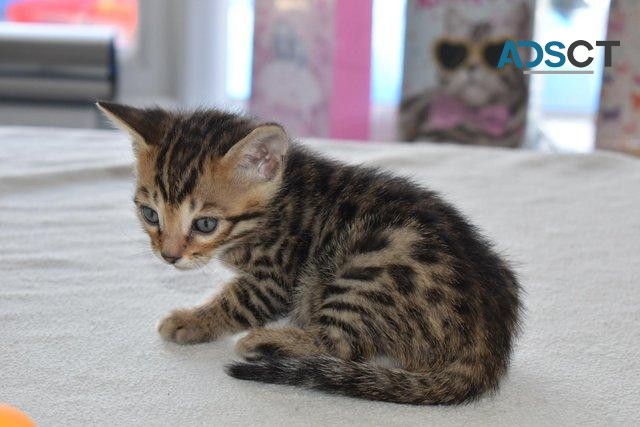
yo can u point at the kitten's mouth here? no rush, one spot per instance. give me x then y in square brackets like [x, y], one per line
[183, 263]
[192, 262]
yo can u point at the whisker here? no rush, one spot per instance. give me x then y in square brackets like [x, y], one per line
[201, 267]
[231, 266]
[133, 240]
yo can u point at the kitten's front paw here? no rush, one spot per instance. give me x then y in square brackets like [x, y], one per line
[183, 327]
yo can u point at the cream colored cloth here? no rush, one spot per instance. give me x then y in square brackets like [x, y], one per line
[80, 292]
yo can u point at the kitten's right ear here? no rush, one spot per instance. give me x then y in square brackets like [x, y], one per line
[145, 125]
[259, 156]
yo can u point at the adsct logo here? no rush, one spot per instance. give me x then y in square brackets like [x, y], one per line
[554, 50]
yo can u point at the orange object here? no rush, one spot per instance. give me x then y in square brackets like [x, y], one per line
[123, 14]
[14, 417]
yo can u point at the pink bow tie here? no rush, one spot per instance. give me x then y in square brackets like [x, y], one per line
[448, 112]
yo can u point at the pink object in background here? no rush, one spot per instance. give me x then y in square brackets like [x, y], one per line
[311, 69]
[620, 98]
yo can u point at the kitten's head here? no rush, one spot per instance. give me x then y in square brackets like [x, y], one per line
[469, 53]
[203, 179]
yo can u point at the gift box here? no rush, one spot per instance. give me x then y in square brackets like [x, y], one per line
[618, 127]
[453, 90]
[311, 66]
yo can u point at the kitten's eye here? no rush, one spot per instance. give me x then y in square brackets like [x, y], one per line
[150, 215]
[205, 225]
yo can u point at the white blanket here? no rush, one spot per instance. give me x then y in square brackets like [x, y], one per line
[80, 292]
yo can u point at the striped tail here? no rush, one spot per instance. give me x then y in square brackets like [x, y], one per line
[364, 380]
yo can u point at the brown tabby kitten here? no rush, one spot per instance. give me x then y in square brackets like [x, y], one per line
[365, 263]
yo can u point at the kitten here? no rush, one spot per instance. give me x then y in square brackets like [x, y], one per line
[490, 103]
[366, 264]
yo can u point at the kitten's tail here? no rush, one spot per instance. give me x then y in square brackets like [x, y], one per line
[365, 380]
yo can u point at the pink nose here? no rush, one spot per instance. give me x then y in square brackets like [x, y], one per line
[171, 259]
[173, 247]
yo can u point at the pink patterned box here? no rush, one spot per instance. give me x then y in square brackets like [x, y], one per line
[311, 66]
[618, 124]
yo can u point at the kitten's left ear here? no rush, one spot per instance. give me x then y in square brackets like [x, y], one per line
[145, 125]
[260, 155]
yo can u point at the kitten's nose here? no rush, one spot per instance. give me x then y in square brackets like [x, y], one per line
[171, 259]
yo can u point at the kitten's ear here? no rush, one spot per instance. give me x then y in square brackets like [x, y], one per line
[260, 155]
[145, 125]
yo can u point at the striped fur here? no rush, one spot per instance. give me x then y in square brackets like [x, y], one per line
[366, 264]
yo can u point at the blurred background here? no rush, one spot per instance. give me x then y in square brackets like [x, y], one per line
[341, 64]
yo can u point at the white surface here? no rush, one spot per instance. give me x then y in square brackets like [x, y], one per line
[80, 292]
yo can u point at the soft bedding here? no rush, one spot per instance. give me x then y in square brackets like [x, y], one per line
[80, 291]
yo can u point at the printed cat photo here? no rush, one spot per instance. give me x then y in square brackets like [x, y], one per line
[364, 264]
[473, 102]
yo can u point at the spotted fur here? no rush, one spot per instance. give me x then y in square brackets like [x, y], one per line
[366, 264]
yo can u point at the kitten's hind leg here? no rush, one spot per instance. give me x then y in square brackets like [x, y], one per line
[318, 339]
[280, 342]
